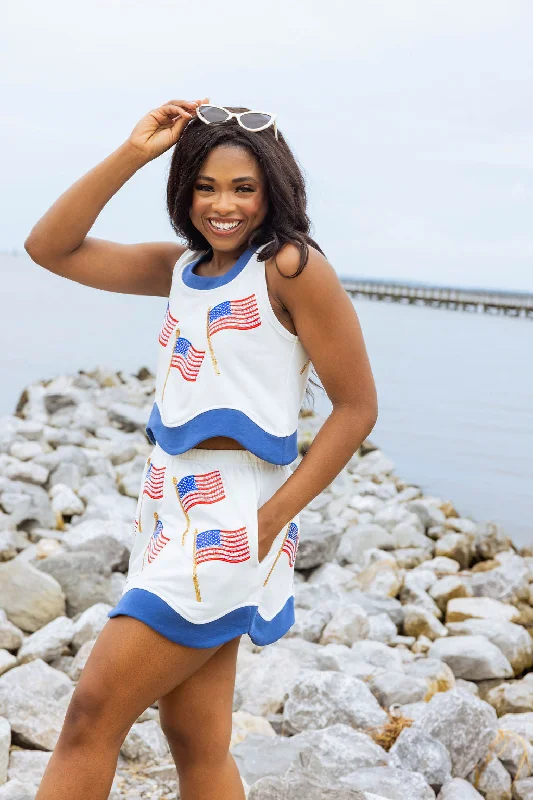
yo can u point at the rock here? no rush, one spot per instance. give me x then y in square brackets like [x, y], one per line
[472, 657]
[390, 783]
[411, 557]
[331, 574]
[459, 789]
[460, 609]
[523, 790]
[513, 640]
[28, 765]
[310, 623]
[65, 501]
[89, 624]
[84, 577]
[446, 589]
[260, 756]
[245, 725]
[443, 565]
[490, 540]
[515, 753]
[418, 752]
[378, 655]
[145, 742]
[412, 594]
[492, 780]
[509, 582]
[377, 605]
[10, 635]
[298, 788]
[457, 546]
[17, 790]
[348, 625]
[34, 699]
[318, 699]
[384, 578]
[318, 544]
[392, 688]
[381, 628]
[438, 675]
[7, 661]
[5, 743]
[514, 697]
[521, 724]
[418, 621]
[261, 689]
[48, 642]
[77, 664]
[465, 725]
[357, 539]
[29, 597]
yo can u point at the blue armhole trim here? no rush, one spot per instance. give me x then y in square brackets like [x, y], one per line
[222, 422]
[152, 610]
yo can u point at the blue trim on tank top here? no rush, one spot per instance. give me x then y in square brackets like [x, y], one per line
[195, 281]
[221, 422]
[155, 612]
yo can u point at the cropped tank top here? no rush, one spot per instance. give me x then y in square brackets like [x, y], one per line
[226, 365]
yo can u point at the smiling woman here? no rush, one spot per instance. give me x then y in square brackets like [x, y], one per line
[252, 302]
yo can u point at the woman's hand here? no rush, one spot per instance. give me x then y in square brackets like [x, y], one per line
[161, 128]
[267, 532]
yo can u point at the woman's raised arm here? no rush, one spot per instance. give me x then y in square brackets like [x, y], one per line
[59, 242]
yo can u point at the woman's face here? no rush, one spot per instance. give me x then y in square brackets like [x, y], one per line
[229, 197]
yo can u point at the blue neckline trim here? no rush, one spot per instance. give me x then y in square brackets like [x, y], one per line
[222, 422]
[195, 281]
[149, 608]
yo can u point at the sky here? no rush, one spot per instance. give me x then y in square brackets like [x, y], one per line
[412, 119]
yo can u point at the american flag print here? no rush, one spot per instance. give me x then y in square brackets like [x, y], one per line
[169, 324]
[241, 314]
[290, 543]
[154, 481]
[186, 358]
[204, 488]
[157, 541]
[222, 545]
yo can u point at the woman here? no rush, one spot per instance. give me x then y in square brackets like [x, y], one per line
[252, 301]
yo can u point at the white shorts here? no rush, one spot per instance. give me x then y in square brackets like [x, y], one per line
[194, 574]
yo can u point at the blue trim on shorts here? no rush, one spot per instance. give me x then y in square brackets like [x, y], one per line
[155, 612]
[221, 422]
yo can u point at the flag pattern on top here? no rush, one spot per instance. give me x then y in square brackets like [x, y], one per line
[204, 488]
[222, 545]
[290, 543]
[241, 314]
[169, 323]
[157, 541]
[186, 358]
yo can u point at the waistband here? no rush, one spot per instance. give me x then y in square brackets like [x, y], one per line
[236, 456]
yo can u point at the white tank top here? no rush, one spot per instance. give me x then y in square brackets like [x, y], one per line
[226, 364]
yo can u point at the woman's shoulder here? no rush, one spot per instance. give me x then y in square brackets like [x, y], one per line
[287, 259]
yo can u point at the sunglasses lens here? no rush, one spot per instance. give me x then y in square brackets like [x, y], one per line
[213, 114]
[252, 120]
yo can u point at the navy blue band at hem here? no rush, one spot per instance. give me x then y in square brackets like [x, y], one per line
[155, 612]
[222, 422]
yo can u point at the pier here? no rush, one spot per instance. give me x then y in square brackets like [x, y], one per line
[514, 304]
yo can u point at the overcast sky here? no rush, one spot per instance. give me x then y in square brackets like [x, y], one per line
[412, 119]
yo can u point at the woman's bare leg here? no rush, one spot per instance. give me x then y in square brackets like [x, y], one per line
[129, 668]
[196, 719]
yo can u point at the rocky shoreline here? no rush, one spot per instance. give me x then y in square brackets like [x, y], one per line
[407, 676]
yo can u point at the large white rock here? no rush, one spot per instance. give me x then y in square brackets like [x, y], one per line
[459, 789]
[145, 742]
[472, 657]
[48, 642]
[418, 621]
[512, 698]
[28, 765]
[513, 640]
[318, 699]
[465, 725]
[89, 624]
[492, 780]
[29, 597]
[390, 783]
[348, 625]
[261, 689]
[461, 608]
[418, 752]
[17, 790]
[34, 699]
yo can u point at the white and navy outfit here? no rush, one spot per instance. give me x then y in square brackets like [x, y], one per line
[226, 366]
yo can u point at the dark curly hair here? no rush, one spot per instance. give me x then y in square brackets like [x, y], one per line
[286, 219]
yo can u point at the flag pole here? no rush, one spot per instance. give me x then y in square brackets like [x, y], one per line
[194, 575]
[211, 351]
[148, 545]
[142, 495]
[175, 482]
[170, 362]
[279, 553]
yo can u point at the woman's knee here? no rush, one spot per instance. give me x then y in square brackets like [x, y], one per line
[90, 716]
[191, 741]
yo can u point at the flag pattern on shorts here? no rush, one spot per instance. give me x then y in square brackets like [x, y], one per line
[241, 314]
[222, 545]
[290, 543]
[154, 481]
[157, 541]
[169, 323]
[204, 488]
[186, 358]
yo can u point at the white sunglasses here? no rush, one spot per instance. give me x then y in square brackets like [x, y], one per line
[249, 120]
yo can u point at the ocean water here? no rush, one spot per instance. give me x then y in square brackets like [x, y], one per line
[455, 389]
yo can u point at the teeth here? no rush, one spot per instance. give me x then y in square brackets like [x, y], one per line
[224, 226]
